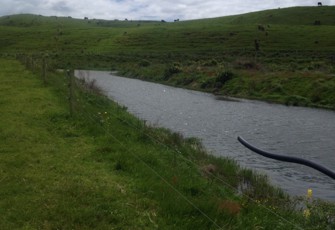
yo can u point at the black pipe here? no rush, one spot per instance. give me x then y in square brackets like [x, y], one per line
[288, 158]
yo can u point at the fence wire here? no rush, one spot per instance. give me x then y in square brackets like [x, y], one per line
[87, 115]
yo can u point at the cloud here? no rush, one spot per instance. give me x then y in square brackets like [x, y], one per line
[61, 7]
[18, 6]
[146, 9]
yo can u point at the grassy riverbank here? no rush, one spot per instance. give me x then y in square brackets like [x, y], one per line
[102, 168]
[281, 55]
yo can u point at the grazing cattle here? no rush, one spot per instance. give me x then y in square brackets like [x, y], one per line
[319, 3]
[317, 23]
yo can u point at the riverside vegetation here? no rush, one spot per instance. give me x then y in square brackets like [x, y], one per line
[283, 55]
[103, 168]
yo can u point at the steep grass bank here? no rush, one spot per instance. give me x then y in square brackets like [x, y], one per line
[309, 83]
[104, 169]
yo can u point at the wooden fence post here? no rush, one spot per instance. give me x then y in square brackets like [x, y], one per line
[70, 75]
[44, 71]
[26, 61]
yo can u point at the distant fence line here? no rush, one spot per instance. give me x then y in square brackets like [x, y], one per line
[39, 64]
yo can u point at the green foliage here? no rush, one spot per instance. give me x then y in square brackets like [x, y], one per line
[171, 70]
[144, 63]
[317, 213]
[212, 62]
[208, 83]
[224, 77]
[296, 100]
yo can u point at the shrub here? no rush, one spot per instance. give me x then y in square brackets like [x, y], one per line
[171, 70]
[144, 63]
[212, 62]
[224, 77]
[208, 83]
[318, 65]
[277, 88]
[297, 100]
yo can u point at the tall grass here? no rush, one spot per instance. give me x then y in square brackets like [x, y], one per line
[103, 168]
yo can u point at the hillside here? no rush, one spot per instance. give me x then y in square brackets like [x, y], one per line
[286, 16]
[264, 53]
[280, 29]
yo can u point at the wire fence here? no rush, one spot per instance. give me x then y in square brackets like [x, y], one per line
[183, 158]
[78, 106]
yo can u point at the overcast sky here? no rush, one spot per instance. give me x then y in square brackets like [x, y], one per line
[146, 9]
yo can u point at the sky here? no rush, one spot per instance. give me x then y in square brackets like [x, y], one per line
[146, 9]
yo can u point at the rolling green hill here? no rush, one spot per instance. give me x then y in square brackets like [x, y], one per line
[264, 52]
[280, 29]
[286, 16]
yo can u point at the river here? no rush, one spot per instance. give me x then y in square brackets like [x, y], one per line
[294, 131]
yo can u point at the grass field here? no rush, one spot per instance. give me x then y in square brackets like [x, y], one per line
[264, 53]
[104, 169]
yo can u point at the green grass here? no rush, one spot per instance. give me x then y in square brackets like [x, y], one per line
[291, 49]
[104, 169]
[45, 180]
[285, 29]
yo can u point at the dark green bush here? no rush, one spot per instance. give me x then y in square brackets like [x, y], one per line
[297, 100]
[208, 83]
[212, 62]
[171, 70]
[224, 77]
[144, 63]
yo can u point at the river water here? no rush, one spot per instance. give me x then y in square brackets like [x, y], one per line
[294, 131]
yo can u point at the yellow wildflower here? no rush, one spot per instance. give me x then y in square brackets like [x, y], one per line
[307, 213]
[309, 193]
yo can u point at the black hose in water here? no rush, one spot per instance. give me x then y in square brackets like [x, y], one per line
[290, 159]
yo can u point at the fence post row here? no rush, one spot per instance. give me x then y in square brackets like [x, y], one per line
[29, 63]
[44, 70]
[70, 75]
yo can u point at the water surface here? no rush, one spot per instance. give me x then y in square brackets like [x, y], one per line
[296, 131]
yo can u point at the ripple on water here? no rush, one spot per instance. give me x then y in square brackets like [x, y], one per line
[295, 131]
